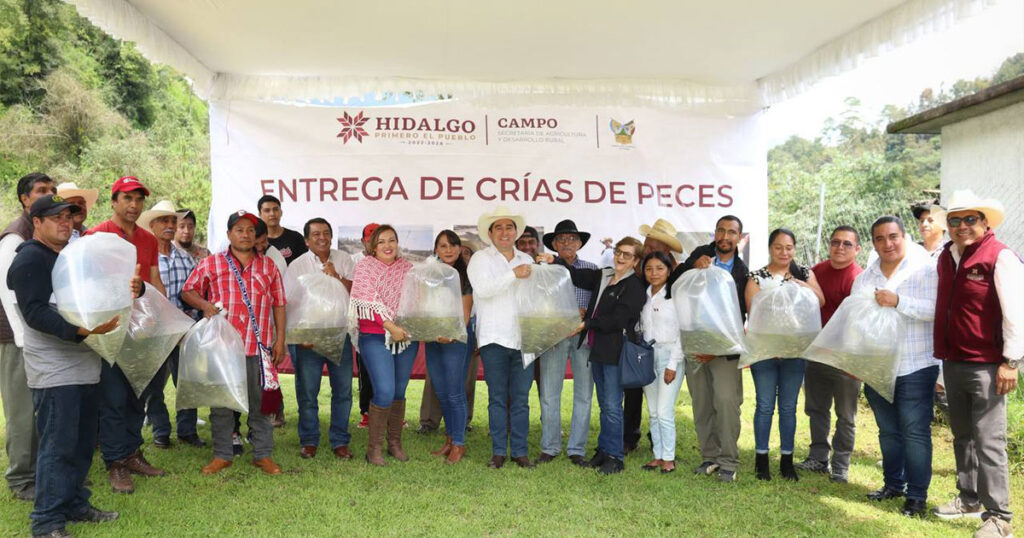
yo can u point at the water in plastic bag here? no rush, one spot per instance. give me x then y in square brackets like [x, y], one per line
[784, 319]
[546, 307]
[317, 313]
[708, 311]
[92, 283]
[862, 339]
[154, 328]
[211, 367]
[431, 305]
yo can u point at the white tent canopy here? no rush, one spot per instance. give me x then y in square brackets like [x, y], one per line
[743, 53]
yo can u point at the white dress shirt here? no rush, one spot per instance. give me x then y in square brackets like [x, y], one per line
[8, 245]
[916, 282]
[658, 322]
[1009, 280]
[308, 263]
[492, 278]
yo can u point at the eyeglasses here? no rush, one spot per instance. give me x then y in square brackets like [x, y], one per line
[970, 220]
[835, 243]
[624, 254]
[566, 239]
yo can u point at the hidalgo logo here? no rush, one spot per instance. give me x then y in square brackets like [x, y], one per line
[352, 127]
[623, 133]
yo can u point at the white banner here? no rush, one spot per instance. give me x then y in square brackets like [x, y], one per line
[426, 167]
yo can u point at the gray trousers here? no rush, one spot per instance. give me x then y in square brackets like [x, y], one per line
[261, 431]
[823, 386]
[716, 390]
[430, 407]
[552, 378]
[21, 439]
[977, 418]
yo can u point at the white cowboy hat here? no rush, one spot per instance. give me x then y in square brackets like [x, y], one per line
[966, 200]
[663, 231]
[70, 190]
[163, 208]
[500, 213]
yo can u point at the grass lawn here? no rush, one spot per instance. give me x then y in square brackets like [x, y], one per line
[327, 497]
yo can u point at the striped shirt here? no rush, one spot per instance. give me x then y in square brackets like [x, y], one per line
[214, 280]
[174, 270]
[583, 295]
[917, 287]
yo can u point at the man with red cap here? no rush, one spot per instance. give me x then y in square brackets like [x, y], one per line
[122, 413]
[249, 287]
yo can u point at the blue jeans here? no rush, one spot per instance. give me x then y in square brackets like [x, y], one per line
[66, 420]
[156, 408]
[552, 377]
[121, 414]
[508, 399]
[389, 373]
[609, 399]
[905, 432]
[309, 367]
[446, 364]
[781, 378]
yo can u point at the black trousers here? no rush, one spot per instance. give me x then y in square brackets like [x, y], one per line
[632, 412]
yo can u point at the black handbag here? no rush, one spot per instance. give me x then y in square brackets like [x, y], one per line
[636, 362]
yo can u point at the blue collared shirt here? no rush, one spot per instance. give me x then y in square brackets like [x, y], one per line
[725, 265]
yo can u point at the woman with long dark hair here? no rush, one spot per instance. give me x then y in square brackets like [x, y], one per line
[779, 378]
[447, 359]
[658, 322]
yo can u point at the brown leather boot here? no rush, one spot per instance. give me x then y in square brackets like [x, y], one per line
[121, 478]
[395, 420]
[456, 454]
[445, 449]
[137, 464]
[378, 426]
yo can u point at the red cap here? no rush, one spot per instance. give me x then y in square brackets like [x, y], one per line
[368, 230]
[239, 215]
[129, 184]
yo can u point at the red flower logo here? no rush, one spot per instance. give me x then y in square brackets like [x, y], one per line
[352, 127]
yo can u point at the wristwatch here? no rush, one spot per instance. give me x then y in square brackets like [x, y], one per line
[1016, 364]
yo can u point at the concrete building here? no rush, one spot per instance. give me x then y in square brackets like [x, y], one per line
[982, 149]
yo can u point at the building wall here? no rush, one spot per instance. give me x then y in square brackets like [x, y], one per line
[986, 154]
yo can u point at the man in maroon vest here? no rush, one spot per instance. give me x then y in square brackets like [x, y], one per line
[979, 334]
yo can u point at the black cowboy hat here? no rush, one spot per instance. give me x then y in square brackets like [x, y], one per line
[565, 227]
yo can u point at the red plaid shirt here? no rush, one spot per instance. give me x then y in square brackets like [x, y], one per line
[214, 280]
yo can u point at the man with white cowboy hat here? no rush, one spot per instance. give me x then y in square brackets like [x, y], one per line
[492, 271]
[84, 199]
[661, 236]
[175, 266]
[566, 240]
[978, 335]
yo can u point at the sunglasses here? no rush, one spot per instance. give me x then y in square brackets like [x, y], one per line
[970, 220]
[835, 243]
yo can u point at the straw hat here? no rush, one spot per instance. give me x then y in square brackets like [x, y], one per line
[966, 200]
[163, 208]
[500, 213]
[70, 190]
[663, 231]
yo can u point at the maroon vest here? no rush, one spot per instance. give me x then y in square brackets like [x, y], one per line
[968, 316]
[21, 226]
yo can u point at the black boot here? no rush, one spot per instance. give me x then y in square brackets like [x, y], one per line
[786, 468]
[761, 467]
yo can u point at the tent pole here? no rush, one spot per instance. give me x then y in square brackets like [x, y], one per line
[821, 222]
